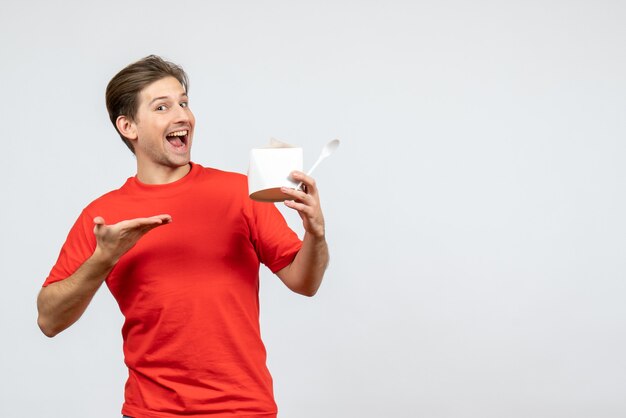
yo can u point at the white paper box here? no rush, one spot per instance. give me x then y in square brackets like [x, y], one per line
[269, 170]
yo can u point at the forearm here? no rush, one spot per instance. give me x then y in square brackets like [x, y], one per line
[304, 275]
[60, 304]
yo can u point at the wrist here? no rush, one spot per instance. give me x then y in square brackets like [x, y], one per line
[315, 230]
[317, 236]
[100, 259]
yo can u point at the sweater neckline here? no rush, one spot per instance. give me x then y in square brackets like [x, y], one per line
[134, 183]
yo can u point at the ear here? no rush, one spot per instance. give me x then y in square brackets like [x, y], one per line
[126, 127]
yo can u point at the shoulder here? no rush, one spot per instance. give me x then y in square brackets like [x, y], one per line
[222, 180]
[107, 200]
[220, 174]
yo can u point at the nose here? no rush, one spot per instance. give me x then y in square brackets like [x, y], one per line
[183, 115]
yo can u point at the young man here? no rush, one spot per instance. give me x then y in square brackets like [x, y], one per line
[179, 247]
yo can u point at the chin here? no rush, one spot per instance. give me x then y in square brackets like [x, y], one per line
[180, 162]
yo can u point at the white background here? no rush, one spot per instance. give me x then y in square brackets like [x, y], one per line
[475, 210]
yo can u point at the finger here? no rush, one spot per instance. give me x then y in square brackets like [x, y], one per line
[141, 222]
[309, 181]
[141, 227]
[157, 221]
[295, 194]
[303, 208]
[165, 219]
[98, 224]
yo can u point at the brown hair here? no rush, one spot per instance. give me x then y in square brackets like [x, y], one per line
[122, 93]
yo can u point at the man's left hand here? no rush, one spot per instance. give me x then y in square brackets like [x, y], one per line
[307, 203]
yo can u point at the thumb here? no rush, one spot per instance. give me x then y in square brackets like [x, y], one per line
[99, 223]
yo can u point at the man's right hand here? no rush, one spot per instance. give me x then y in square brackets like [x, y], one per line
[60, 304]
[113, 241]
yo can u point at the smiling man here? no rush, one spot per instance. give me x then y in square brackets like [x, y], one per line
[179, 247]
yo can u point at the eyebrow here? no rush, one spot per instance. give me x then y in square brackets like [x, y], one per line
[166, 97]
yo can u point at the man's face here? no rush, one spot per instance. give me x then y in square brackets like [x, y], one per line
[163, 125]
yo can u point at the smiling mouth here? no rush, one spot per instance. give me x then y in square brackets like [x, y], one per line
[178, 139]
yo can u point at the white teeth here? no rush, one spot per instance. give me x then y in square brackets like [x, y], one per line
[178, 133]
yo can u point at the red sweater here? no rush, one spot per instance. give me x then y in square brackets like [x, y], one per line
[189, 293]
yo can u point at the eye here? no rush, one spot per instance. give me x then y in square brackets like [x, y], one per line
[161, 107]
[184, 104]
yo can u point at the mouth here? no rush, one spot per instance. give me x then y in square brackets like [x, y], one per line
[178, 139]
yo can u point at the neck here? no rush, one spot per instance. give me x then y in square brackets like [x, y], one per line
[161, 174]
